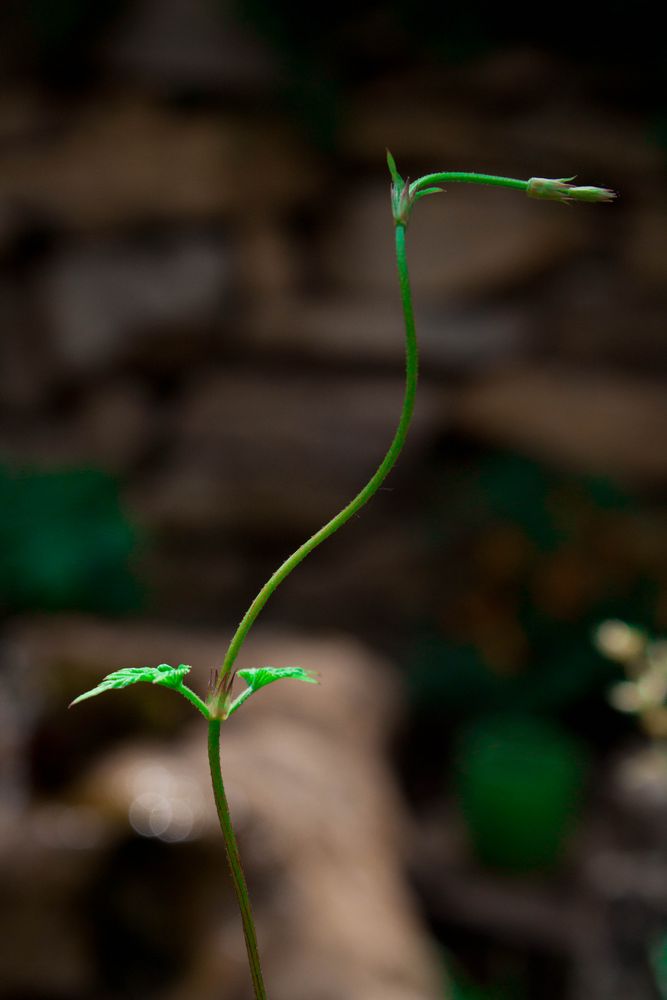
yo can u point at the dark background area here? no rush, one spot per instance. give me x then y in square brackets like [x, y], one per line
[200, 362]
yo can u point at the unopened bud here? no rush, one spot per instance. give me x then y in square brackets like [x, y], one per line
[559, 189]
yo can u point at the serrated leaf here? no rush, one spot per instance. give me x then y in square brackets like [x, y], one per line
[261, 676]
[163, 674]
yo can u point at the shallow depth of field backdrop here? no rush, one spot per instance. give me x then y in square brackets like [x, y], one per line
[200, 362]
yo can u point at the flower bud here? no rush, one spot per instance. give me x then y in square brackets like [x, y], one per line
[559, 189]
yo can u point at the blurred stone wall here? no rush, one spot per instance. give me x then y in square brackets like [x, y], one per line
[198, 298]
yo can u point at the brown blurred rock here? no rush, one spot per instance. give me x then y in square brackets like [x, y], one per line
[27, 369]
[646, 247]
[334, 328]
[267, 262]
[195, 579]
[110, 300]
[186, 45]
[440, 134]
[602, 423]
[258, 450]
[45, 945]
[575, 135]
[24, 114]
[466, 242]
[511, 76]
[117, 424]
[119, 163]
[365, 578]
[363, 329]
[112, 429]
[598, 317]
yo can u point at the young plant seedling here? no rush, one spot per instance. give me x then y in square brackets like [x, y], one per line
[219, 704]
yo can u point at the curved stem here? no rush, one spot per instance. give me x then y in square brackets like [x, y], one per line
[411, 370]
[234, 860]
[458, 176]
[403, 198]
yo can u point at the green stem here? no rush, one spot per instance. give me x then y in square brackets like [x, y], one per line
[389, 460]
[283, 571]
[462, 177]
[403, 198]
[234, 859]
[241, 700]
[194, 699]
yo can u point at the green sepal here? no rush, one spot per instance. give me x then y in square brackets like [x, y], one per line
[261, 676]
[425, 191]
[163, 674]
[400, 200]
[393, 170]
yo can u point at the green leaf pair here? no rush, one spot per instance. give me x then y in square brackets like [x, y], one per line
[172, 677]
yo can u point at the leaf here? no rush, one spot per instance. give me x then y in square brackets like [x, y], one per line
[261, 676]
[163, 674]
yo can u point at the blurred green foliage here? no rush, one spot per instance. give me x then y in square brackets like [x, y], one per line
[531, 561]
[65, 543]
[459, 986]
[520, 784]
[659, 962]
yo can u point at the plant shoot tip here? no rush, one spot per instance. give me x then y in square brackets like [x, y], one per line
[560, 189]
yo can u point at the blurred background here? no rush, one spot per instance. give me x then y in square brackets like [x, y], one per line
[200, 362]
